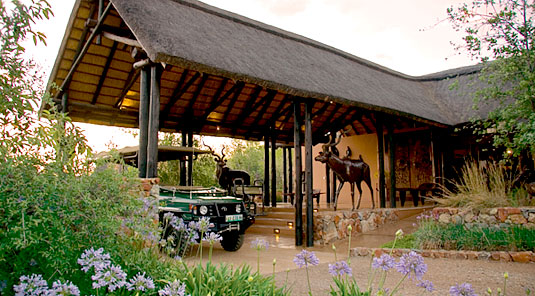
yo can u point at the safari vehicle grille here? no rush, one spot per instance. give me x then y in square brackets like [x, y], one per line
[226, 209]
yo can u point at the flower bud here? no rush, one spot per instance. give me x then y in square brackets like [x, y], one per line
[274, 261]
[399, 233]
[250, 279]
[489, 291]
[506, 275]
[349, 228]
[334, 247]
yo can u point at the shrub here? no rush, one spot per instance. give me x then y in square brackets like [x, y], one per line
[484, 185]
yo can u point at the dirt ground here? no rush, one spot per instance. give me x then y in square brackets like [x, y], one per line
[443, 273]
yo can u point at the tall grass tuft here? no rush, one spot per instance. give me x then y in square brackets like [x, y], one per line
[483, 185]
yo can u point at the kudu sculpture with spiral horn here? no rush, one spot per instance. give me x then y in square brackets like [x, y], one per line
[353, 171]
[225, 176]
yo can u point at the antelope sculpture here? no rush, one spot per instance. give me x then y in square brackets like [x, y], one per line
[353, 171]
[226, 176]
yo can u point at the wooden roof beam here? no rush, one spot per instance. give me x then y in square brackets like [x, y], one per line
[277, 114]
[327, 122]
[130, 80]
[268, 98]
[339, 123]
[250, 106]
[189, 108]
[104, 73]
[358, 117]
[217, 100]
[85, 48]
[233, 100]
[177, 94]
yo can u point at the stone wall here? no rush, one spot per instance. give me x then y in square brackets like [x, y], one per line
[487, 217]
[332, 226]
[522, 257]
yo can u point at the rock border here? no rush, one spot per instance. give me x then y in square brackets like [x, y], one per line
[501, 256]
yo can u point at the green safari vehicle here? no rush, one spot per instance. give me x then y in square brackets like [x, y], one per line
[228, 215]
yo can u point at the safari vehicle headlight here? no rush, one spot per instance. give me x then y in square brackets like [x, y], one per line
[238, 208]
[203, 210]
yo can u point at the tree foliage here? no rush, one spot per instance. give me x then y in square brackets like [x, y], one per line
[500, 34]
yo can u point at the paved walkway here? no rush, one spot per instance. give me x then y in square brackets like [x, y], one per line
[283, 249]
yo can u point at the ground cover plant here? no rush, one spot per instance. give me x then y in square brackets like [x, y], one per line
[434, 235]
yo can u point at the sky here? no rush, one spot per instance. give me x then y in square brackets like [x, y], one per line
[410, 36]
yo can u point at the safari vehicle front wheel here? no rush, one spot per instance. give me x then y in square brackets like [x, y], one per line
[232, 241]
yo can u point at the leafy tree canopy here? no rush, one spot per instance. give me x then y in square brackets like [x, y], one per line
[500, 34]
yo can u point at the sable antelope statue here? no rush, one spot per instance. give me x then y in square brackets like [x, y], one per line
[225, 176]
[353, 171]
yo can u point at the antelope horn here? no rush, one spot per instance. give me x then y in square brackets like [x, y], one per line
[223, 153]
[212, 151]
[324, 146]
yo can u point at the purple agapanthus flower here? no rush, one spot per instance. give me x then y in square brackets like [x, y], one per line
[192, 235]
[203, 224]
[178, 224]
[140, 283]
[94, 258]
[464, 289]
[32, 285]
[259, 244]
[192, 225]
[112, 276]
[412, 263]
[306, 258]
[427, 285]
[385, 262]
[340, 268]
[65, 289]
[173, 289]
[212, 238]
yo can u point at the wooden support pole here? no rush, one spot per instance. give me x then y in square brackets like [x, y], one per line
[284, 176]
[381, 150]
[273, 168]
[290, 171]
[392, 154]
[183, 174]
[144, 104]
[308, 174]
[154, 122]
[298, 182]
[328, 185]
[190, 159]
[266, 170]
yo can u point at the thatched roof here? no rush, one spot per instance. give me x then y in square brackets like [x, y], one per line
[232, 76]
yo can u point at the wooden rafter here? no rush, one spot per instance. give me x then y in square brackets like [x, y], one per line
[248, 109]
[324, 126]
[196, 93]
[84, 49]
[130, 80]
[358, 117]
[233, 100]
[338, 123]
[104, 73]
[277, 114]
[217, 100]
[268, 98]
[177, 94]
[321, 110]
